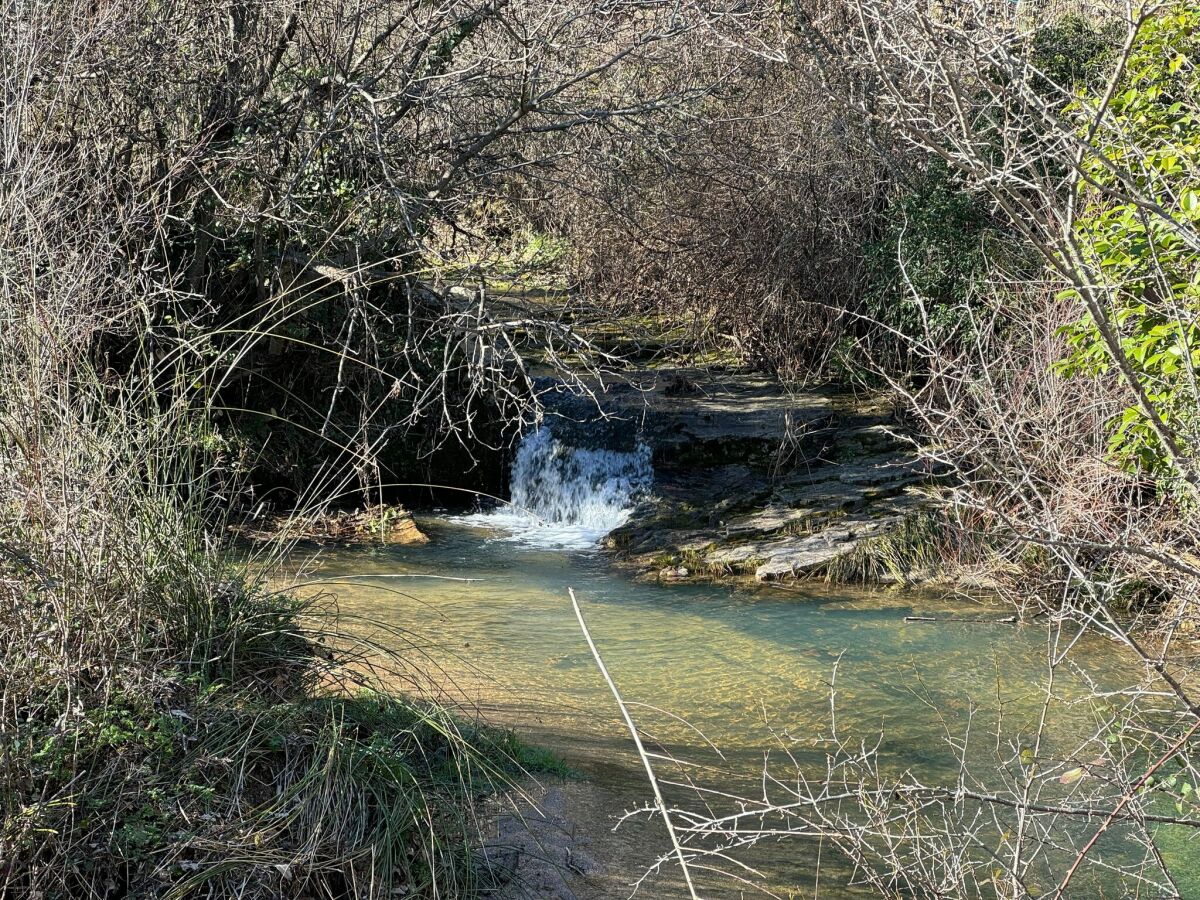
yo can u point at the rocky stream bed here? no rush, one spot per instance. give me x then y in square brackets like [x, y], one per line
[751, 479]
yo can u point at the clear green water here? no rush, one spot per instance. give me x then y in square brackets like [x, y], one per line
[750, 669]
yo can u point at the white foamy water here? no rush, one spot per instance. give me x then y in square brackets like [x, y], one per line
[564, 496]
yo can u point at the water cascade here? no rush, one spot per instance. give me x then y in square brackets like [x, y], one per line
[565, 496]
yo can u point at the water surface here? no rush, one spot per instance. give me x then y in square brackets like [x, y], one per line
[752, 670]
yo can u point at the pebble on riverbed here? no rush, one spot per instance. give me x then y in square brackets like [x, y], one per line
[674, 572]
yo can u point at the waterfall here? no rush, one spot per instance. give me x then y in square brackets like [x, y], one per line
[566, 496]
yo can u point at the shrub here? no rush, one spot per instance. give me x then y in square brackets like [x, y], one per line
[1074, 51]
[935, 244]
[1138, 233]
[173, 726]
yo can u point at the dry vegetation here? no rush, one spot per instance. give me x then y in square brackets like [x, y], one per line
[245, 247]
[1058, 382]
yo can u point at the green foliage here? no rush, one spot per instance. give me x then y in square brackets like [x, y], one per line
[1138, 247]
[938, 240]
[541, 251]
[918, 548]
[1177, 787]
[1075, 52]
[934, 244]
[515, 756]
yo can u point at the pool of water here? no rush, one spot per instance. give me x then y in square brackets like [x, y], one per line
[723, 678]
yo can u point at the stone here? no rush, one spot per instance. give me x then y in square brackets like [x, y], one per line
[893, 470]
[751, 478]
[721, 416]
[818, 550]
[405, 531]
[496, 865]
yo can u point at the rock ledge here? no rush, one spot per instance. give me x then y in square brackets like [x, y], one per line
[752, 480]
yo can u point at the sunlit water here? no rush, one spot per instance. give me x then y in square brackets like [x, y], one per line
[566, 497]
[750, 669]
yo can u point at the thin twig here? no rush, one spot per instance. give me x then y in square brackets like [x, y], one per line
[637, 741]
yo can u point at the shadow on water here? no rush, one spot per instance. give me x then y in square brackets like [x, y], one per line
[749, 669]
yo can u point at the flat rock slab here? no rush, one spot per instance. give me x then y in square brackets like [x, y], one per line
[794, 557]
[751, 479]
[685, 405]
[682, 408]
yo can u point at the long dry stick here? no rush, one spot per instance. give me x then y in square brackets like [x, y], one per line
[637, 741]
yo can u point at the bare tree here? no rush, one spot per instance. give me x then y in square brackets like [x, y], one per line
[297, 168]
[739, 214]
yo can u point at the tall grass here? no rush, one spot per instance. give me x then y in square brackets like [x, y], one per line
[170, 724]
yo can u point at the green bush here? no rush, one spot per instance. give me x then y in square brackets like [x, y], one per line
[936, 240]
[1137, 235]
[1075, 52]
[934, 243]
[198, 791]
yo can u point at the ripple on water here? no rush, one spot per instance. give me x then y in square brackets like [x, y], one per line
[751, 671]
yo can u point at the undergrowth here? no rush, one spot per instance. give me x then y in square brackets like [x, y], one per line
[922, 546]
[172, 727]
[171, 724]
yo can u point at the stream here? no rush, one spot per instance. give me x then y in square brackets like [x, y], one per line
[721, 677]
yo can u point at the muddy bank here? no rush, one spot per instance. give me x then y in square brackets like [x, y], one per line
[537, 849]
